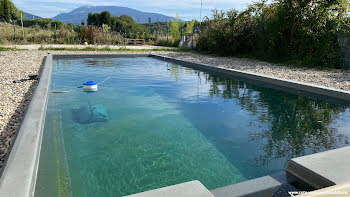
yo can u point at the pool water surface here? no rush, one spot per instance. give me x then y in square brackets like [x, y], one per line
[153, 124]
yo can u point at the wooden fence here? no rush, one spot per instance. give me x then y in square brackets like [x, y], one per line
[135, 41]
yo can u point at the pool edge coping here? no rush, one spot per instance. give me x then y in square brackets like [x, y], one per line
[20, 170]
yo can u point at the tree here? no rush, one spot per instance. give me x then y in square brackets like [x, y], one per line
[8, 11]
[5, 11]
[89, 19]
[189, 26]
[174, 28]
[93, 19]
[124, 23]
[105, 18]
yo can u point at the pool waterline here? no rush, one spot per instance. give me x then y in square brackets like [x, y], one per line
[174, 95]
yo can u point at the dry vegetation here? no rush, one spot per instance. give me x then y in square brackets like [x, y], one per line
[65, 35]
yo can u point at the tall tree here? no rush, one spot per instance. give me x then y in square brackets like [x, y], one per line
[8, 11]
[105, 18]
[189, 26]
[5, 12]
[174, 28]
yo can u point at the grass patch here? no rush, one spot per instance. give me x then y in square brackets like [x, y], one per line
[11, 49]
[107, 49]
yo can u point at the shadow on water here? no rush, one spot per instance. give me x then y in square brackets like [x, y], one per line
[284, 125]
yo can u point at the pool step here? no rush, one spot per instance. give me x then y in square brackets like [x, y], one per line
[321, 169]
[267, 186]
[188, 189]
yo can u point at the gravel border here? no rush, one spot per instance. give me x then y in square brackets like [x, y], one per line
[16, 65]
[79, 46]
[332, 78]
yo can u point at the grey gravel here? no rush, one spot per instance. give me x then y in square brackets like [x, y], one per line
[17, 65]
[333, 78]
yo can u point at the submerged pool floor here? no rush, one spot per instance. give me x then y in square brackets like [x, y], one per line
[153, 124]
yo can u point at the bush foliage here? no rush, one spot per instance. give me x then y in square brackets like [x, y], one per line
[43, 23]
[304, 32]
[123, 24]
[68, 34]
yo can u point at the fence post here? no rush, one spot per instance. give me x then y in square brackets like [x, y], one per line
[167, 32]
[125, 38]
[55, 34]
[22, 26]
[14, 30]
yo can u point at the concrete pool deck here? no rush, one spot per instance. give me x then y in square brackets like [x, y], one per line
[188, 189]
[22, 163]
[322, 169]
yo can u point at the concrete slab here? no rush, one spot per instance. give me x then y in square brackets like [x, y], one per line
[188, 189]
[341, 190]
[321, 169]
[263, 186]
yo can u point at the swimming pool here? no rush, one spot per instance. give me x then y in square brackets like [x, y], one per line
[166, 124]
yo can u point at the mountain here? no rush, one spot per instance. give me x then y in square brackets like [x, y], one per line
[81, 13]
[29, 16]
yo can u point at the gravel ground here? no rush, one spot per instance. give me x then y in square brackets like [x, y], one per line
[333, 78]
[37, 46]
[15, 97]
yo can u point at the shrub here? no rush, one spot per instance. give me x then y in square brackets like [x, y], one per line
[89, 34]
[94, 35]
[66, 36]
[168, 43]
[110, 38]
[3, 41]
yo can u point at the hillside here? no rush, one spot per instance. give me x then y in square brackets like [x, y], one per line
[81, 13]
[29, 16]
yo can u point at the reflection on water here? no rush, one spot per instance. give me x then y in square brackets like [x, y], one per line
[297, 125]
[169, 124]
[289, 125]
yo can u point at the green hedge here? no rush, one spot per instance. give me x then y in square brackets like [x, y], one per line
[299, 32]
[43, 23]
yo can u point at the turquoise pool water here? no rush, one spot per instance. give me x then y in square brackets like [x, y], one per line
[153, 124]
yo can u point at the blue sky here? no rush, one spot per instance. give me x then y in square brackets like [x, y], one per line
[187, 9]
